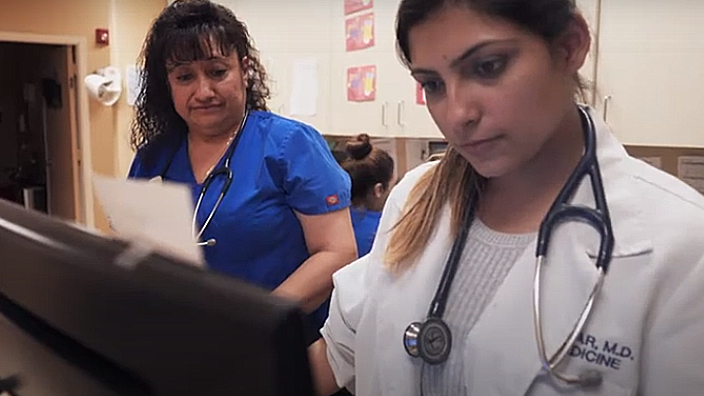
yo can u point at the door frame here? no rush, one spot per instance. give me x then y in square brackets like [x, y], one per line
[86, 214]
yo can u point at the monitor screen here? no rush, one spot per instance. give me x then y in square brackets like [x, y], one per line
[77, 318]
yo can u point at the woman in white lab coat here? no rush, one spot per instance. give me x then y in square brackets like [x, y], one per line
[500, 78]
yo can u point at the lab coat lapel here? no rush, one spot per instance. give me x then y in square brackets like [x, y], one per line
[501, 351]
[404, 300]
[568, 276]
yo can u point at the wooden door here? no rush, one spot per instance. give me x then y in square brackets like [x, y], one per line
[650, 67]
[61, 135]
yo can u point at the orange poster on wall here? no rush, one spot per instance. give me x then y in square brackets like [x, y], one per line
[361, 83]
[352, 6]
[359, 32]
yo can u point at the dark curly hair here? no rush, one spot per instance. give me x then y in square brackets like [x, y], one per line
[186, 31]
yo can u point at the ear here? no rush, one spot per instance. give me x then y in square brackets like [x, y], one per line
[247, 69]
[573, 46]
[379, 190]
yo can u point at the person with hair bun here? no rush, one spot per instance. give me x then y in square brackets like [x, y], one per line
[372, 172]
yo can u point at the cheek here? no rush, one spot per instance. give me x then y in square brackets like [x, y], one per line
[438, 112]
[528, 107]
[180, 100]
[178, 96]
[233, 88]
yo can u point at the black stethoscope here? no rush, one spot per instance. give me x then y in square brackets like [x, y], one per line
[431, 340]
[223, 170]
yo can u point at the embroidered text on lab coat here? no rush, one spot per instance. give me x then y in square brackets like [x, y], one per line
[608, 354]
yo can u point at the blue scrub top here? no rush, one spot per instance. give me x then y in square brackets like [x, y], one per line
[279, 166]
[365, 224]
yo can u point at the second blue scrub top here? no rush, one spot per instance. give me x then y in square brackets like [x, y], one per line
[279, 166]
[365, 224]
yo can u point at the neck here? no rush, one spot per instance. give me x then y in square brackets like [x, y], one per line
[518, 201]
[216, 135]
[207, 138]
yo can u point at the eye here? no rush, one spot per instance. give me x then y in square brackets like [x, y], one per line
[432, 87]
[184, 77]
[218, 73]
[490, 68]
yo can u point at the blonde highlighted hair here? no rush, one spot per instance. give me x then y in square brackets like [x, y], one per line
[452, 181]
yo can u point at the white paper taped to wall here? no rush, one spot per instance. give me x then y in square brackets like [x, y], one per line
[156, 215]
[691, 170]
[304, 88]
[133, 79]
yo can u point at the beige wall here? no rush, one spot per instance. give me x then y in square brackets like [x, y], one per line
[140, 15]
[128, 20]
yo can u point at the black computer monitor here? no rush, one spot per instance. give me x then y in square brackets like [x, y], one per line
[72, 322]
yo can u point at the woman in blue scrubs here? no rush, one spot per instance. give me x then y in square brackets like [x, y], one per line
[282, 221]
[372, 172]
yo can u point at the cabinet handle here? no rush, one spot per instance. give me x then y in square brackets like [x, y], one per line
[383, 114]
[399, 113]
[607, 99]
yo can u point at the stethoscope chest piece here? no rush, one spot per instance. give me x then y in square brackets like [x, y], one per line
[430, 340]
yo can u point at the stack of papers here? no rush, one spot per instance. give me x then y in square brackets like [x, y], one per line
[152, 215]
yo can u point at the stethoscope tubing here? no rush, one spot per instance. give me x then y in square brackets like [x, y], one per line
[560, 211]
[226, 170]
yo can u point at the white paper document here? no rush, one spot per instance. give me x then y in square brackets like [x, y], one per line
[304, 87]
[152, 214]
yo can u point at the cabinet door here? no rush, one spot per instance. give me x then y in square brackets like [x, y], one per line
[590, 11]
[650, 65]
[282, 75]
[372, 117]
[285, 25]
[414, 120]
[286, 33]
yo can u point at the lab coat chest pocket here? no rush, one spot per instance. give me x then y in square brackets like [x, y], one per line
[611, 342]
[544, 386]
[501, 350]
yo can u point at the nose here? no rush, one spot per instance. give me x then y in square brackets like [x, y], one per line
[462, 105]
[204, 89]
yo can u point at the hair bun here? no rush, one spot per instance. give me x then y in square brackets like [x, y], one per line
[359, 147]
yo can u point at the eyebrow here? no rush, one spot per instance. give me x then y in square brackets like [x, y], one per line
[170, 65]
[464, 56]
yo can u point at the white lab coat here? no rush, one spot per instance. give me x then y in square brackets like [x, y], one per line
[646, 332]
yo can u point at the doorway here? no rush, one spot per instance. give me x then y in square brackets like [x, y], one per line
[40, 150]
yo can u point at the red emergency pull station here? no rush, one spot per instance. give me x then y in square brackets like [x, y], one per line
[102, 36]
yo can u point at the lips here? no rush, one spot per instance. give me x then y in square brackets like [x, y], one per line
[205, 108]
[479, 146]
[480, 142]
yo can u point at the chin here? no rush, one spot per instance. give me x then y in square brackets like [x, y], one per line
[490, 167]
[208, 123]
